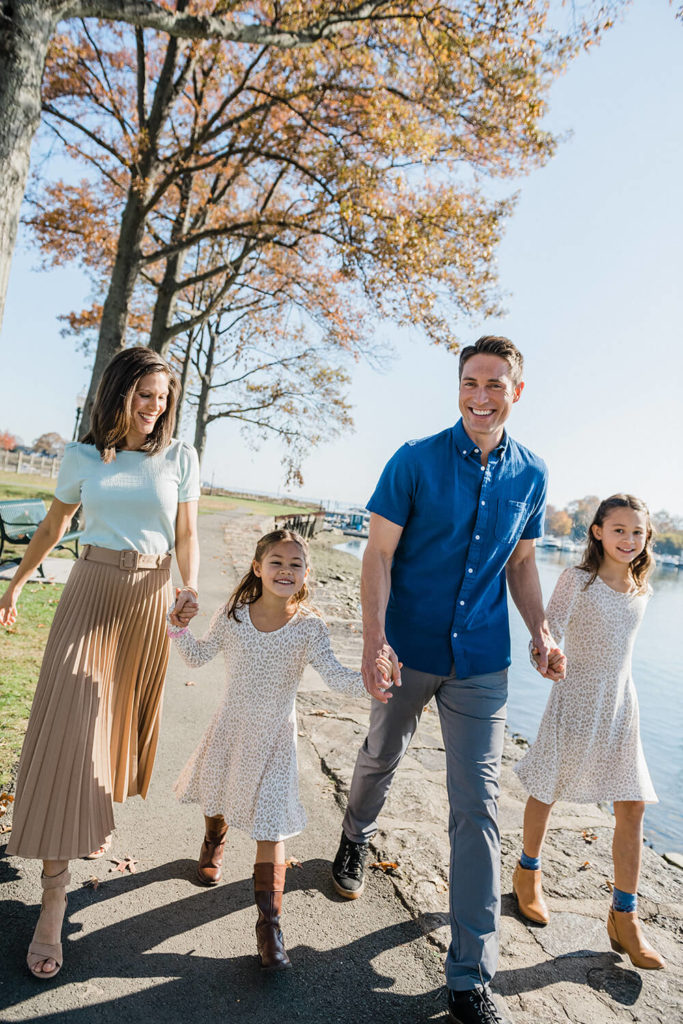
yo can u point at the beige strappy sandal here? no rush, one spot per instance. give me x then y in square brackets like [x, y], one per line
[41, 951]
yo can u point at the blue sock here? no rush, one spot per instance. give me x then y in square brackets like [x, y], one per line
[624, 901]
[530, 863]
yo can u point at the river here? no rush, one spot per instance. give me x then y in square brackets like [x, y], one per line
[658, 677]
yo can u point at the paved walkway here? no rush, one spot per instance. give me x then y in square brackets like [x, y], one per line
[156, 946]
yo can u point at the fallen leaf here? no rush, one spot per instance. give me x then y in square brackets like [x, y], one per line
[589, 837]
[385, 865]
[320, 714]
[292, 862]
[5, 828]
[190, 683]
[122, 865]
[585, 866]
[93, 882]
[608, 884]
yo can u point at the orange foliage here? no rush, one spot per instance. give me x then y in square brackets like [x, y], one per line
[349, 152]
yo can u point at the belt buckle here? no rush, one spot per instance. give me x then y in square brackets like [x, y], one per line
[128, 560]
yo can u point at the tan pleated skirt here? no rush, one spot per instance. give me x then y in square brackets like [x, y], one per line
[94, 725]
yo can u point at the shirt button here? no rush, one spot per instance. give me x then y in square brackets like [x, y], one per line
[464, 451]
[454, 635]
[462, 602]
[483, 502]
[476, 536]
[476, 450]
[470, 570]
[483, 469]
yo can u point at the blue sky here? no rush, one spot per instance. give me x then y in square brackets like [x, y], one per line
[592, 264]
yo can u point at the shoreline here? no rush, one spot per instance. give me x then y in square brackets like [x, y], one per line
[335, 578]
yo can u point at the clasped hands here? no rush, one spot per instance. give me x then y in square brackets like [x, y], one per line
[554, 664]
[381, 672]
[186, 606]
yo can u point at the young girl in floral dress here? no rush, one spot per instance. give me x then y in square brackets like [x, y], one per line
[588, 746]
[244, 771]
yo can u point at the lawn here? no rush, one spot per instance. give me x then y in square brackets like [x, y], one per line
[21, 652]
[28, 485]
[14, 486]
[255, 506]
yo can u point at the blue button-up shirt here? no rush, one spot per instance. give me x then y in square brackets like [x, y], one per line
[461, 522]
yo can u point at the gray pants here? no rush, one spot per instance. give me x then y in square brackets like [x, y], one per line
[472, 714]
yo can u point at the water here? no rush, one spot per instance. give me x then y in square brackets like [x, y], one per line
[658, 678]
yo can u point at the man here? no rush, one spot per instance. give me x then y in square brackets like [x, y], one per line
[452, 516]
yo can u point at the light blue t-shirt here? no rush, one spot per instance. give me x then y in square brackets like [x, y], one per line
[131, 502]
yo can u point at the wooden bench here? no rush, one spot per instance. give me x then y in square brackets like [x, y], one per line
[20, 519]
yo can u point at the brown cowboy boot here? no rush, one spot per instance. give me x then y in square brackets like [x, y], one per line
[526, 885]
[269, 884]
[623, 928]
[210, 864]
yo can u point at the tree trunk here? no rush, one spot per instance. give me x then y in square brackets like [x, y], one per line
[121, 286]
[206, 375]
[184, 374]
[159, 337]
[127, 263]
[25, 30]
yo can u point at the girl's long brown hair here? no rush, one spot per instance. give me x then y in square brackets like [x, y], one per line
[642, 565]
[111, 415]
[250, 588]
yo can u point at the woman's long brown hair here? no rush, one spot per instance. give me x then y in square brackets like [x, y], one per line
[642, 565]
[250, 588]
[111, 414]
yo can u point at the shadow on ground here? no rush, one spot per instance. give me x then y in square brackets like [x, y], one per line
[341, 984]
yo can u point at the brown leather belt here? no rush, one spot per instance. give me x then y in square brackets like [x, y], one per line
[130, 560]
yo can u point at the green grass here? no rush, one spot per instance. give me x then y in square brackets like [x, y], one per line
[26, 485]
[254, 506]
[15, 486]
[21, 652]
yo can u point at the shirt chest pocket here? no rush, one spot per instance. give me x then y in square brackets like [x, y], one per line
[511, 518]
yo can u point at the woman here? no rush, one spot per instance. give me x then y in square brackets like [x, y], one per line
[94, 725]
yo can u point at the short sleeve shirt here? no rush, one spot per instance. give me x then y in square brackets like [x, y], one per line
[131, 502]
[461, 521]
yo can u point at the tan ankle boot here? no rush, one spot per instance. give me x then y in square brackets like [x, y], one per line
[623, 928]
[269, 884]
[526, 885]
[210, 864]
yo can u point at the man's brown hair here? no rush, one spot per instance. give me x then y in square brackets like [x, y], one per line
[491, 345]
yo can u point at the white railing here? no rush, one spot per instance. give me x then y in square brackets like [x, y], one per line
[19, 462]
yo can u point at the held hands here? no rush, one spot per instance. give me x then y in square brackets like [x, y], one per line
[381, 671]
[186, 606]
[548, 658]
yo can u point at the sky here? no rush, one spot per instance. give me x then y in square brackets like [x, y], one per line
[592, 270]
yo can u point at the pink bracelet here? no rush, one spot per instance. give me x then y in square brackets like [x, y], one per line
[174, 631]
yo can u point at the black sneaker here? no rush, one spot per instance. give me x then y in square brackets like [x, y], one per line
[474, 1006]
[348, 868]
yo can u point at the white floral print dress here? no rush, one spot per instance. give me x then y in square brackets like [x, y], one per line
[245, 766]
[588, 746]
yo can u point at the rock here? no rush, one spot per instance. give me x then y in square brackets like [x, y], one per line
[564, 972]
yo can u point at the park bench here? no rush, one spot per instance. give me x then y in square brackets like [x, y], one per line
[19, 520]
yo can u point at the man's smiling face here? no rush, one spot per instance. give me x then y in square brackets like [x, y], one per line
[487, 394]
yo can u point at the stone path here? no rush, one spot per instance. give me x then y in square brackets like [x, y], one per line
[564, 972]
